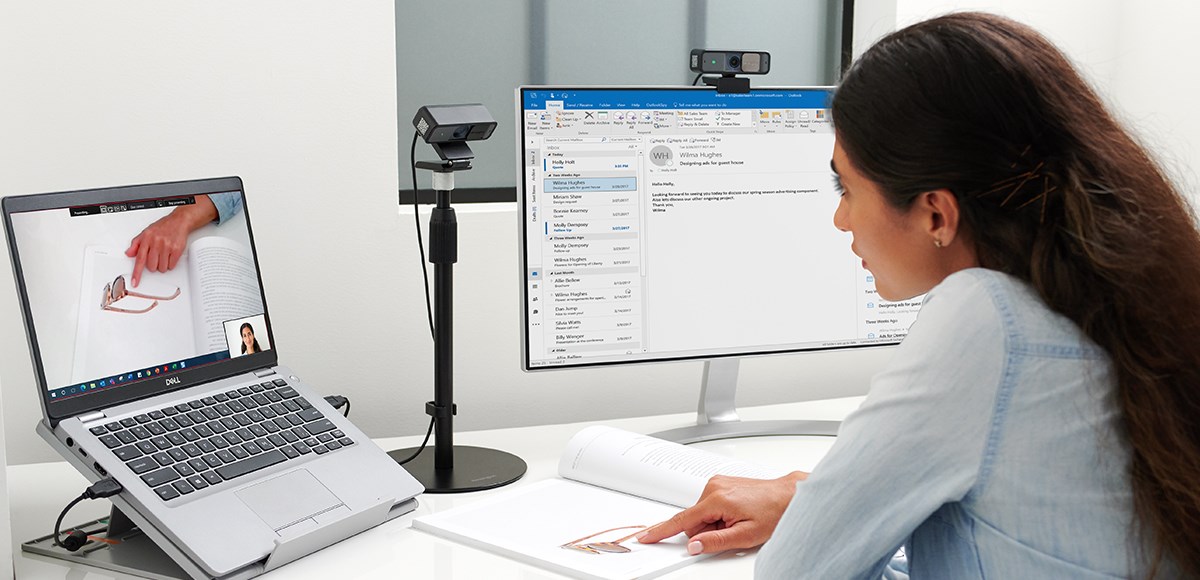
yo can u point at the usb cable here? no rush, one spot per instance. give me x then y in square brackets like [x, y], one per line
[100, 489]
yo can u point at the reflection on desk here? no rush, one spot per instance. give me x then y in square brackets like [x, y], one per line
[39, 491]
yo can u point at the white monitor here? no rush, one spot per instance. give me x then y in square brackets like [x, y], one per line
[671, 223]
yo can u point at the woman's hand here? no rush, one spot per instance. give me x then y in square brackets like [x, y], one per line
[733, 513]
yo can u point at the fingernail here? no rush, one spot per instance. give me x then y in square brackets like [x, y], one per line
[641, 535]
[695, 547]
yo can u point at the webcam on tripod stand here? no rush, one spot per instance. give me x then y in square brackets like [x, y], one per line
[725, 65]
[448, 127]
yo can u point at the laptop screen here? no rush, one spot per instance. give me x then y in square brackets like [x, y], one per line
[133, 291]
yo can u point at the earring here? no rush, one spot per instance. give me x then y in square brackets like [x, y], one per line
[937, 243]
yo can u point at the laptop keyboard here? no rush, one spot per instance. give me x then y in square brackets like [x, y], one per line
[198, 444]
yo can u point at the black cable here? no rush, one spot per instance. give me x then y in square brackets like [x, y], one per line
[697, 79]
[346, 413]
[100, 489]
[420, 243]
[58, 522]
[423, 443]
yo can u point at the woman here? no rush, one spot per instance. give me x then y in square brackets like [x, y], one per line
[249, 343]
[1040, 419]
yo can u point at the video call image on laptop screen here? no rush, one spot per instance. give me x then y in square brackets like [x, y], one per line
[97, 330]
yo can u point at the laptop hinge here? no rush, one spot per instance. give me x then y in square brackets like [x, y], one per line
[264, 372]
[90, 417]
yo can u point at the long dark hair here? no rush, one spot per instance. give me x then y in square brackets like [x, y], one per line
[1055, 192]
[242, 329]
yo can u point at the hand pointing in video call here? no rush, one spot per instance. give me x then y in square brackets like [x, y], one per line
[160, 245]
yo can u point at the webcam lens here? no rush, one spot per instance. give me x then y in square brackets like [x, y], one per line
[461, 132]
[735, 61]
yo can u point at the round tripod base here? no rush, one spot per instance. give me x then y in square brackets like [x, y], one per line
[475, 469]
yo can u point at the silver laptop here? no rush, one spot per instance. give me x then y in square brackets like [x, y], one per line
[156, 366]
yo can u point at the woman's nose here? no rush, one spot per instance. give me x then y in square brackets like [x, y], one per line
[839, 217]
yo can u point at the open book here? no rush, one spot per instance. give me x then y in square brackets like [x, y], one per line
[613, 484]
[216, 281]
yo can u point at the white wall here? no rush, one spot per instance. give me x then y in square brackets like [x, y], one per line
[1156, 81]
[6, 543]
[1088, 31]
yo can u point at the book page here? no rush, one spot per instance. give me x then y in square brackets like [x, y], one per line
[648, 467]
[224, 284]
[531, 523]
[110, 342]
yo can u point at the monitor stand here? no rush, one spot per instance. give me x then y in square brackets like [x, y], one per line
[717, 418]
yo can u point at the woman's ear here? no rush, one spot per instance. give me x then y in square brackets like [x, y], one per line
[942, 210]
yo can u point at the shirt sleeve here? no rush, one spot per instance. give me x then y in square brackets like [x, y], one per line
[227, 204]
[917, 442]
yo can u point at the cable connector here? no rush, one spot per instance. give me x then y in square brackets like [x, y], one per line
[103, 488]
[337, 402]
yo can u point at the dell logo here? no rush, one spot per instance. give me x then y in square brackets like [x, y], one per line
[172, 381]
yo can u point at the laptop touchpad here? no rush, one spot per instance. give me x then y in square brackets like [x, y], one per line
[289, 498]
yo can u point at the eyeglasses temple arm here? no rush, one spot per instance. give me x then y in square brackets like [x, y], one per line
[588, 537]
[151, 297]
[128, 311]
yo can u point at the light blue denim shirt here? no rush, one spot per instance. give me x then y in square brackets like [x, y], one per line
[227, 204]
[987, 448]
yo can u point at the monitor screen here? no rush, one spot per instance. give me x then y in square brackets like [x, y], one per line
[682, 223]
[106, 330]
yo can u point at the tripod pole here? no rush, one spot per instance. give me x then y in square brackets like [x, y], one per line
[443, 253]
[477, 468]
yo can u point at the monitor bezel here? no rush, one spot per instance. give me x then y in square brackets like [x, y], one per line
[56, 410]
[523, 249]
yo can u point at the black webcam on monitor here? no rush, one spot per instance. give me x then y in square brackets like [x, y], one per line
[727, 64]
[737, 62]
[448, 127]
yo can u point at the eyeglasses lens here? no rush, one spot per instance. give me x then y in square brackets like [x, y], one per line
[610, 547]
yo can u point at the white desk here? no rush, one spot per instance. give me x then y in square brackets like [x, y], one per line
[39, 491]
